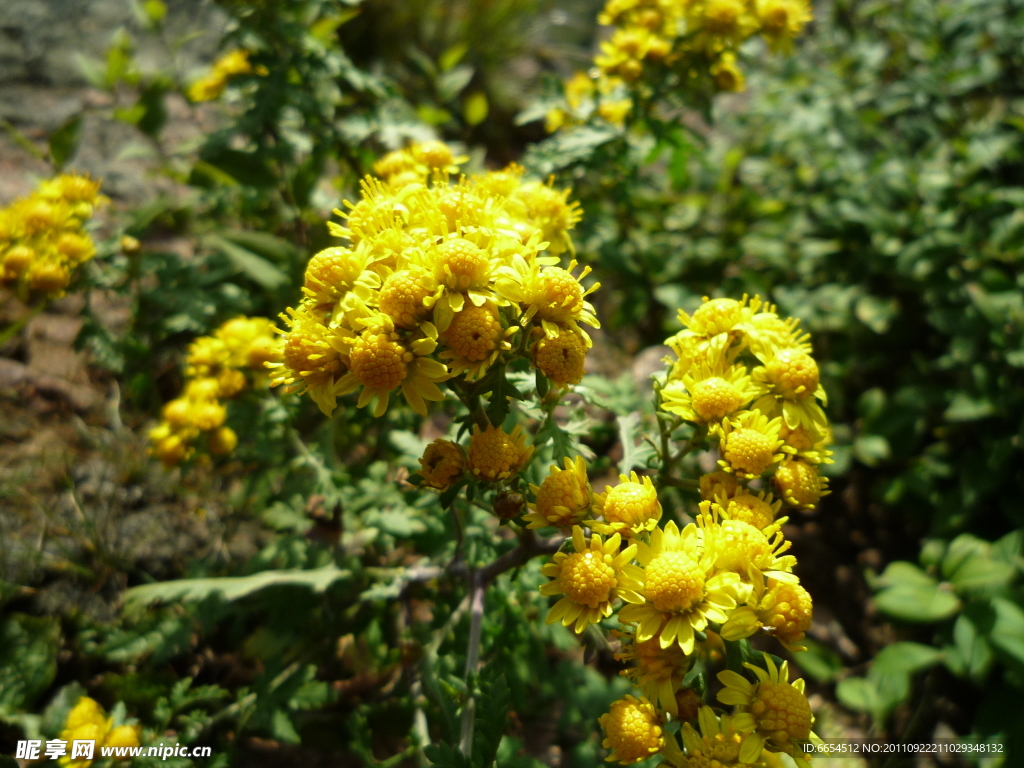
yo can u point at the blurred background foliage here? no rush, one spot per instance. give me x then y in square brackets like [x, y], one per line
[870, 184]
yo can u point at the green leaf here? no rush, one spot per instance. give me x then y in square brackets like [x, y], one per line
[451, 83]
[967, 408]
[501, 390]
[256, 267]
[64, 141]
[871, 449]
[264, 244]
[444, 755]
[230, 587]
[971, 654]
[819, 661]
[1007, 635]
[448, 496]
[917, 602]
[491, 719]
[475, 108]
[28, 659]
[858, 694]
[901, 573]
[633, 455]
[893, 668]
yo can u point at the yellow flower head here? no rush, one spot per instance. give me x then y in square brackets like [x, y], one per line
[337, 277]
[676, 590]
[742, 548]
[800, 484]
[807, 442]
[442, 464]
[750, 444]
[223, 441]
[474, 340]
[791, 376]
[461, 270]
[767, 332]
[578, 88]
[403, 295]
[553, 295]
[562, 358]
[721, 24]
[657, 671]
[395, 163]
[706, 394]
[615, 111]
[588, 577]
[719, 484]
[727, 75]
[380, 361]
[715, 316]
[722, 742]
[630, 508]
[310, 358]
[497, 455]
[757, 510]
[782, 20]
[563, 499]
[779, 708]
[633, 731]
[435, 155]
[241, 335]
[784, 610]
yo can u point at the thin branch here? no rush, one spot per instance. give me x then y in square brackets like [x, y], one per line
[529, 547]
[476, 617]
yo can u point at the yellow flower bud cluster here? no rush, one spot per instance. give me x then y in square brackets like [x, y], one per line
[744, 377]
[88, 722]
[443, 279]
[216, 370]
[229, 65]
[679, 38]
[43, 236]
[747, 375]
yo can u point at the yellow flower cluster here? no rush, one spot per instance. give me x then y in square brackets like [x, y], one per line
[443, 279]
[215, 371]
[43, 237]
[686, 37]
[231, 64]
[88, 722]
[745, 378]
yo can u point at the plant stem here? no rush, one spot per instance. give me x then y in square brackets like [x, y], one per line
[476, 616]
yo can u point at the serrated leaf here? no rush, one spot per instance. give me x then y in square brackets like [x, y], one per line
[491, 720]
[501, 391]
[633, 455]
[28, 658]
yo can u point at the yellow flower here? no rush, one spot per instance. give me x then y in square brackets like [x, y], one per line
[782, 20]
[474, 340]
[588, 577]
[722, 742]
[721, 24]
[759, 511]
[337, 279]
[807, 443]
[380, 361]
[705, 394]
[395, 163]
[750, 444]
[232, 63]
[207, 88]
[461, 270]
[784, 610]
[657, 671]
[436, 155]
[497, 455]
[630, 508]
[675, 590]
[88, 721]
[787, 376]
[310, 361]
[561, 358]
[767, 332]
[402, 297]
[744, 549]
[563, 499]
[715, 316]
[549, 209]
[615, 111]
[223, 441]
[378, 210]
[719, 484]
[551, 294]
[727, 75]
[800, 484]
[442, 464]
[577, 88]
[240, 334]
[633, 731]
[779, 708]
